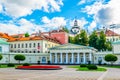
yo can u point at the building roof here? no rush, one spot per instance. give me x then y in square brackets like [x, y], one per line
[111, 33]
[4, 35]
[42, 37]
[3, 42]
[71, 46]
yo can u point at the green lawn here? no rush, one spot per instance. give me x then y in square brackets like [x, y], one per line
[86, 69]
[5, 66]
[111, 66]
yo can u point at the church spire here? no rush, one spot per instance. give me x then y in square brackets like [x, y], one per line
[75, 23]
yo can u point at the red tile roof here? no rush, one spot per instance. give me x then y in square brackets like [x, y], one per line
[5, 35]
[111, 33]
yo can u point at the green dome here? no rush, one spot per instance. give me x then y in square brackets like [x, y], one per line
[3, 42]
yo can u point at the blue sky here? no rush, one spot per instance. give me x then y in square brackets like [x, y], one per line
[18, 16]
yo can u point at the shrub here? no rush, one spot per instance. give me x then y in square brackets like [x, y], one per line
[83, 65]
[26, 64]
[38, 62]
[48, 62]
[92, 67]
[105, 64]
[10, 65]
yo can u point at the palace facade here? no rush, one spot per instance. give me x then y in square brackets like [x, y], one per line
[54, 47]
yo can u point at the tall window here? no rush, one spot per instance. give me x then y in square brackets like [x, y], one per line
[26, 45]
[30, 45]
[34, 45]
[38, 44]
[0, 49]
[46, 45]
[11, 45]
[18, 45]
[22, 45]
[14, 45]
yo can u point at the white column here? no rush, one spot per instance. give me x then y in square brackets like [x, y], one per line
[66, 57]
[90, 56]
[72, 58]
[55, 57]
[84, 58]
[78, 58]
[60, 57]
[50, 57]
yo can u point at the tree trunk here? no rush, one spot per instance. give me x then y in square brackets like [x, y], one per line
[19, 61]
[111, 63]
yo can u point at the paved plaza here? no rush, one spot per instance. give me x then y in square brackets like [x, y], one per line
[64, 74]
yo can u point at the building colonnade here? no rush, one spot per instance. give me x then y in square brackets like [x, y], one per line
[71, 58]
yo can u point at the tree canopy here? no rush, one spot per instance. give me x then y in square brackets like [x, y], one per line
[93, 38]
[27, 34]
[110, 58]
[19, 57]
[1, 57]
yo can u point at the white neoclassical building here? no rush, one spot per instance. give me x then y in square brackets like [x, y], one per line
[71, 54]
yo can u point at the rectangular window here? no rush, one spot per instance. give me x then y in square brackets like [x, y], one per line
[18, 45]
[34, 45]
[11, 45]
[22, 45]
[26, 45]
[14, 45]
[29, 45]
[46, 45]
[38, 44]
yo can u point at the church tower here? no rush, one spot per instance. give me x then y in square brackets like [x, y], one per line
[75, 28]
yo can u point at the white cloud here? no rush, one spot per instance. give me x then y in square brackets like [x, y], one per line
[89, 1]
[18, 8]
[24, 26]
[92, 26]
[53, 23]
[104, 14]
[93, 9]
[0, 8]
[81, 2]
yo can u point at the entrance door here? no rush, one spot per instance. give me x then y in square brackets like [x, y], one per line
[43, 59]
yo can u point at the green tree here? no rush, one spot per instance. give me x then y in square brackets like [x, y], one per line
[101, 42]
[108, 46]
[71, 40]
[77, 39]
[1, 57]
[110, 58]
[93, 38]
[66, 29]
[27, 34]
[83, 38]
[19, 57]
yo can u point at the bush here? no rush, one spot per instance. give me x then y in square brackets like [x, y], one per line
[26, 64]
[10, 65]
[92, 67]
[38, 62]
[83, 65]
[48, 62]
[105, 64]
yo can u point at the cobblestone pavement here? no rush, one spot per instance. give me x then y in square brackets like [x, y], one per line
[64, 74]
